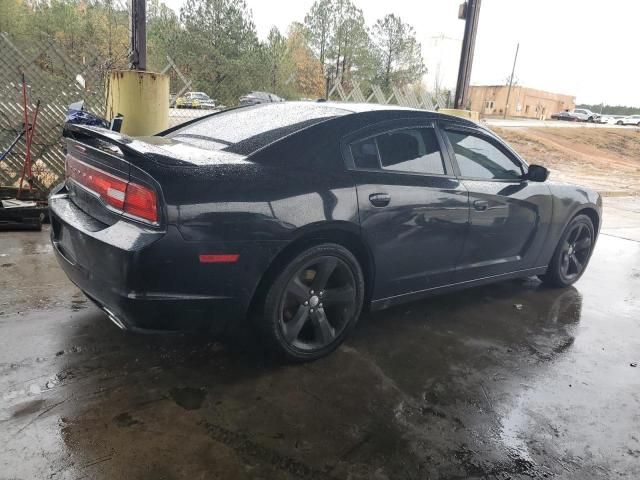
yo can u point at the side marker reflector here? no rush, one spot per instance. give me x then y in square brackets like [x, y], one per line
[219, 258]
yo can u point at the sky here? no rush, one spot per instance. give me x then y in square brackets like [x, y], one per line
[586, 48]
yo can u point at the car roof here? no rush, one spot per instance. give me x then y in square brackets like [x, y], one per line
[358, 108]
[244, 130]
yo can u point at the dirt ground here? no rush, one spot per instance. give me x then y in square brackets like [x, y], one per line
[606, 159]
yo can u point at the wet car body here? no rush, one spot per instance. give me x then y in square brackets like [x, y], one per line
[235, 200]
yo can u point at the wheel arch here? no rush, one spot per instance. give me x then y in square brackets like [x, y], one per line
[593, 216]
[342, 233]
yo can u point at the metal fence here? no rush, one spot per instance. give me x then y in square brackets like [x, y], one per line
[57, 78]
[405, 97]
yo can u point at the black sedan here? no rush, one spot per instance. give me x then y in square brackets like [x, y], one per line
[296, 216]
[568, 116]
[255, 98]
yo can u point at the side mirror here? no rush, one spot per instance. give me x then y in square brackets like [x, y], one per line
[537, 173]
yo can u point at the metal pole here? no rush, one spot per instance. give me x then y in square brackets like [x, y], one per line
[138, 54]
[506, 108]
[471, 16]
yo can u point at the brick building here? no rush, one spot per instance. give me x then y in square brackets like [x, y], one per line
[491, 100]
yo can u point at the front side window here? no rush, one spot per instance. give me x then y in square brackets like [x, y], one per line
[479, 158]
[411, 150]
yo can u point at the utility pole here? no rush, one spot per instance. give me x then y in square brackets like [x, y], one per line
[138, 53]
[506, 108]
[470, 13]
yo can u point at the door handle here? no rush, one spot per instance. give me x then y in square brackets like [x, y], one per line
[481, 205]
[379, 199]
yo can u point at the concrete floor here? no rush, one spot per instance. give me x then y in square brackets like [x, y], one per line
[506, 381]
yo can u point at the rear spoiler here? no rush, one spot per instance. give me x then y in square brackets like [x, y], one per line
[159, 149]
[127, 144]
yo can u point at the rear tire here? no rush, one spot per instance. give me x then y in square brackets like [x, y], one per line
[313, 303]
[572, 254]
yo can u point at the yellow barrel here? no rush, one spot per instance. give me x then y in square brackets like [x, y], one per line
[470, 114]
[142, 98]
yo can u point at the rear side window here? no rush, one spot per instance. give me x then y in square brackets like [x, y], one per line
[245, 130]
[411, 150]
[479, 158]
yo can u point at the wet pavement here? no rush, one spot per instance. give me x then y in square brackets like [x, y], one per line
[505, 381]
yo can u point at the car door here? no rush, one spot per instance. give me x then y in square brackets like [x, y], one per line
[577, 114]
[413, 210]
[509, 215]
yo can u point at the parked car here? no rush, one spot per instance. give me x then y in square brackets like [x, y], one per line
[585, 115]
[564, 115]
[255, 98]
[610, 119]
[195, 100]
[630, 120]
[295, 216]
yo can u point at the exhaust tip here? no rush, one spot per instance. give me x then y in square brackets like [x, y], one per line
[111, 316]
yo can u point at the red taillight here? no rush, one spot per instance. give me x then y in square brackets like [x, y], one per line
[141, 202]
[128, 197]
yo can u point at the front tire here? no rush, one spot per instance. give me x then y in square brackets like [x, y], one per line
[313, 303]
[572, 254]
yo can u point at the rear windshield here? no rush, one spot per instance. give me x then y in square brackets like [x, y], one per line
[245, 130]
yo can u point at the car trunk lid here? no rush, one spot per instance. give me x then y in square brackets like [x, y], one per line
[106, 171]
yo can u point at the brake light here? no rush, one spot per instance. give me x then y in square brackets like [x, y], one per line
[127, 197]
[141, 202]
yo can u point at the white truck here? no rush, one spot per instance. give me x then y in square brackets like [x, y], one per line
[585, 115]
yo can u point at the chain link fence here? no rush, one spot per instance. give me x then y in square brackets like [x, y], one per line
[57, 75]
[54, 79]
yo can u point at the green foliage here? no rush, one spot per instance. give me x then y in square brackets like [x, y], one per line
[611, 109]
[398, 52]
[319, 23]
[83, 28]
[218, 48]
[278, 62]
[215, 45]
[338, 36]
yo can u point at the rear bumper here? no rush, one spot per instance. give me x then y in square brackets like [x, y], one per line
[152, 280]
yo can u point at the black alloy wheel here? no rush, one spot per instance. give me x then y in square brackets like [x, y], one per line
[314, 302]
[572, 253]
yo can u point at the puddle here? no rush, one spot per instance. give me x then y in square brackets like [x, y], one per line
[188, 398]
[125, 420]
